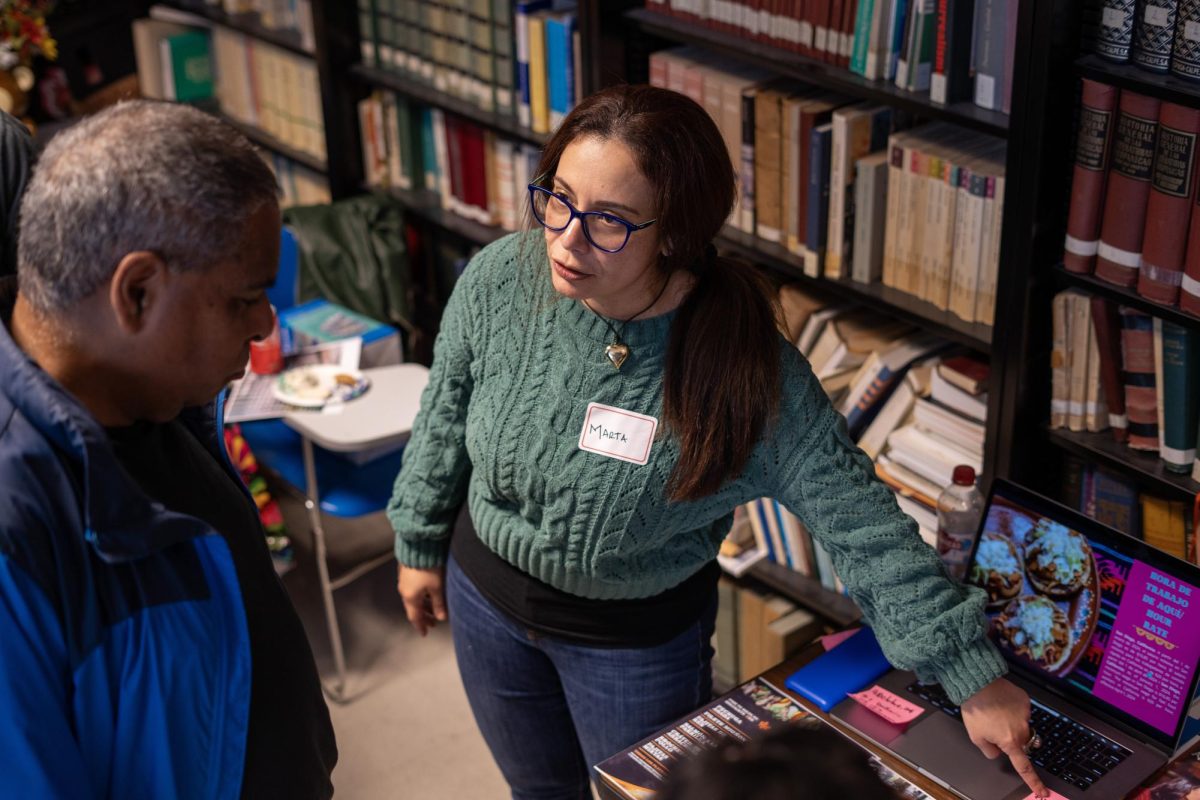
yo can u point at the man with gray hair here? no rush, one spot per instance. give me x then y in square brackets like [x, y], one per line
[147, 648]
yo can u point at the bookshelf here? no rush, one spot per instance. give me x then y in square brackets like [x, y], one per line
[249, 24]
[1094, 286]
[808, 592]
[1145, 469]
[426, 205]
[269, 142]
[1126, 76]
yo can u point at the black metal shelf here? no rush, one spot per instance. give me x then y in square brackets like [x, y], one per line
[1146, 469]
[264, 139]
[423, 93]
[1126, 76]
[882, 298]
[427, 205]
[1126, 297]
[786, 62]
[249, 24]
[808, 592]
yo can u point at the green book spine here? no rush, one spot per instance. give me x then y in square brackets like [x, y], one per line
[862, 36]
[1180, 396]
[191, 66]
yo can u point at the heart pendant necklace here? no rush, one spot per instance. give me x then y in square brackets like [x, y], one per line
[618, 351]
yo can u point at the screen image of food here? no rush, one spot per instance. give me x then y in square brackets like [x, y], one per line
[1087, 615]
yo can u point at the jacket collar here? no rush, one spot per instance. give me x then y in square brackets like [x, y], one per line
[121, 522]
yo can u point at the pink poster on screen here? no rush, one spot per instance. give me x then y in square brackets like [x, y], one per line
[1147, 668]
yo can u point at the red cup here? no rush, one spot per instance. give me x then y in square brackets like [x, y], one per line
[266, 355]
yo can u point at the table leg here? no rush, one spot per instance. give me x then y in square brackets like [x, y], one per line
[312, 502]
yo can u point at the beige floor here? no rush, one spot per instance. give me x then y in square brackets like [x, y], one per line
[407, 732]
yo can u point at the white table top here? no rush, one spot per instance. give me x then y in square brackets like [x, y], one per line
[383, 415]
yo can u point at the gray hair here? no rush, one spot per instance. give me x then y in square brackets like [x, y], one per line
[140, 175]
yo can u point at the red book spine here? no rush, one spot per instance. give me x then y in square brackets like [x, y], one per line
[1172, 190]
[807, 14]
[849, 12]
[454, 158]
[1107, 325]
[1092, 149]
[831, 15]
[1128, 189]
[474, 167]
[1141, 390]
[940, 47]
[1189, 294]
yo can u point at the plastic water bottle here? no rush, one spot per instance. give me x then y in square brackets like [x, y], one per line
[959, 507]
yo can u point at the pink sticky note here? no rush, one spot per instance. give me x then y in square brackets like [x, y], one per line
[834, 639]
[1052, 796]
[890, 706]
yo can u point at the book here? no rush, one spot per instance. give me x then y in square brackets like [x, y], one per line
[1079, 329]
[1154, 35]
[1180, 397]
[1185, 50]
[870, 217]
[187, 67]
[896, 409]
[848, 340]
[1060, 361]
[1115, 39]
[1106, 323]
[950, 81]
[967, 372]
[1164, 525]
[1092, 151]
[991, 28]
[879, 374]
[857, 131]
[1128, 189]
[1138, 375]
[1168, 209]
[817, 202]
[560, 67]
[1110, 500]
[521, 13]
[797, 303]
[969, 405]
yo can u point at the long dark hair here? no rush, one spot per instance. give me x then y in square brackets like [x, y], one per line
[721, 384]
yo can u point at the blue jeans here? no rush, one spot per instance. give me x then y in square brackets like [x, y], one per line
[550, 709]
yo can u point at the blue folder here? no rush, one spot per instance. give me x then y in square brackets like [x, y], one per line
[847, 668]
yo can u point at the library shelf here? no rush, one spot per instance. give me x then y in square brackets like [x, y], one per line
[266, 140]
[425, 94]
[427, 205]
[1145, 469]
[1126, 76]
[884, 299]
[1125, 297]
[808, 592]
[810, 70]
[248, 23]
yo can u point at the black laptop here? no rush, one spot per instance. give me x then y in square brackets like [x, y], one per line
[1100, 629]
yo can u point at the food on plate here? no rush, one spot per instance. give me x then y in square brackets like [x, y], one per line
[997, 568]
[1058, 560]
[1035, 629]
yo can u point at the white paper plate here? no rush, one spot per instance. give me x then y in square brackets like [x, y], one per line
[315, 385]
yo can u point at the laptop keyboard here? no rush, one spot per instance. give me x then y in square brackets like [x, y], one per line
[1076, 754]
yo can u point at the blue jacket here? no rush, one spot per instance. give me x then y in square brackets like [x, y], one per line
[124, 655]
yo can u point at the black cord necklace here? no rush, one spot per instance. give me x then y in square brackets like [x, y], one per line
[618, 351]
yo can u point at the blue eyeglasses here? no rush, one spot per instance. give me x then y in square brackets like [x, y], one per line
[606, 232]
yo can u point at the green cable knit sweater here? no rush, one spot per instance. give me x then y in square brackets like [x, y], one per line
[515, 366]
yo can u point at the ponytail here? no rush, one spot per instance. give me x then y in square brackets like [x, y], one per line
[721, 385]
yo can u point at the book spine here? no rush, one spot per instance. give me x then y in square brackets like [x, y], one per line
[989, 53]
[1189, 287]
[1141, 392]
[1060, 367]
[1092, 150]
[951, 79]
[862, 36]
[818, 199]
[768, 161]
[1079, 330]
[747, 196]
[1185, 53]
[1154, 33]
[1128, 189]
[1180, 396]
[1106, 327]
[1116, 30]
[1173, 188]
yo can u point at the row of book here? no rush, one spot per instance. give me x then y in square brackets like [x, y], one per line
[1133, 219]
[919, 210]
[274, 15]
[1105, 497]
[1114, 367]
[954, 50]
[255, 83]
[474, 172]
[517, 58]
[1155, 35]
[299, 185]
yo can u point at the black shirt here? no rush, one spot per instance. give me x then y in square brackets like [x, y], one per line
[540, 607]
[290, 748]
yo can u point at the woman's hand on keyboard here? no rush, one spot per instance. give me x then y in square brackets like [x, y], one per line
[997, 719]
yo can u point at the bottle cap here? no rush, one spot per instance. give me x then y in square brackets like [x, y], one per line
[964, 475]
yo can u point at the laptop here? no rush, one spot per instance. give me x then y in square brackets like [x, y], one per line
[1100, 629]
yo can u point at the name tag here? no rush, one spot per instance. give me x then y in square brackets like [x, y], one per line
[616, 433]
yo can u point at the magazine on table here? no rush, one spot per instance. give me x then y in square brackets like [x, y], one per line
[750, 710]
[252, 397]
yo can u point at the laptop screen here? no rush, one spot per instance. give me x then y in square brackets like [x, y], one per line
[1095, 613]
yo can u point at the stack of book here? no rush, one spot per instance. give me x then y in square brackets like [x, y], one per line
[1132, 217]
[918, 210]
[1119, 369]
[1155, 35]
[474, 172]
[518, 58]
[953, 51]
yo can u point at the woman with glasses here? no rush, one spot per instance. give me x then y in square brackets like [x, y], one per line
[605, 391]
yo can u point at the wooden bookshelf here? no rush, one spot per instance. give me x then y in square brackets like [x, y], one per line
[269, 142]
[1126, 297]
[1144, 469]
[810, 70]
[808, 592]
[876, 296]
[1126, 76]
[427, 95]
[249, 24]
[427, 205]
